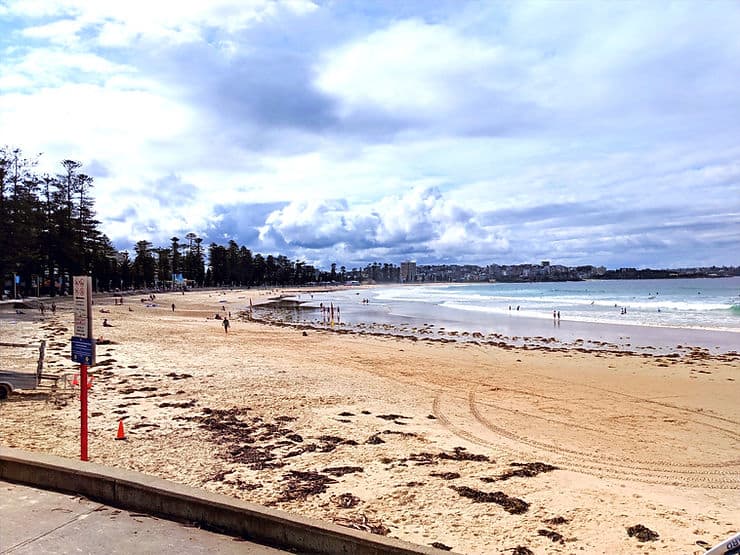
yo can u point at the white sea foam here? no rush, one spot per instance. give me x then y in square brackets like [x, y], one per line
[701, 304]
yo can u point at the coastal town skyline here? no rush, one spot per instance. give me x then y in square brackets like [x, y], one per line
[448, 133]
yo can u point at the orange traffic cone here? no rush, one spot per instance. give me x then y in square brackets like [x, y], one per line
[90, 381]
[120, 434]
[75, 380]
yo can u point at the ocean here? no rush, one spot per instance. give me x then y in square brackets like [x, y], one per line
[711, 304]
[656, 315]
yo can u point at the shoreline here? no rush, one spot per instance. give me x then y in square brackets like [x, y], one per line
[508, 330]
[395, 433]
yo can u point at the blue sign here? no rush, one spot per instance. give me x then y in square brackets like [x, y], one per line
[83, 350]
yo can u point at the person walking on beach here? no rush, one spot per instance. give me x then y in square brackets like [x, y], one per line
[225, 324]
[173, 307]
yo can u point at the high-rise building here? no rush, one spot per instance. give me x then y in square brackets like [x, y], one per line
[408, 272]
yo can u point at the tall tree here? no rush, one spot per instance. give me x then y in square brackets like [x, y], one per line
[144, 265]
[200, 273]
[176, 264]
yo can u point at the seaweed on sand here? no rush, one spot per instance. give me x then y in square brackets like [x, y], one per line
[511, 505]
[302, 484]
[342, 470]
[527, 470]
[554, 536]
[460, 454]
[642, 533]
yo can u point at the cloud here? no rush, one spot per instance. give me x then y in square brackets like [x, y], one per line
[429, 75]
[420, 221]
[357, 132]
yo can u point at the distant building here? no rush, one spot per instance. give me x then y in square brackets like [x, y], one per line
[408, 272]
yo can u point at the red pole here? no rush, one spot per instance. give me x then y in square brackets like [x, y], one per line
[83, 412]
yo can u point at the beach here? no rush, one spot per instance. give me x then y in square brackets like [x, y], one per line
[477, 445]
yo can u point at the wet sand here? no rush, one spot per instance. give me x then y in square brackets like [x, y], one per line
[476, 446]
[513, 328]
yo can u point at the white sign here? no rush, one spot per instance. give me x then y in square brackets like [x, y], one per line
[82, 292]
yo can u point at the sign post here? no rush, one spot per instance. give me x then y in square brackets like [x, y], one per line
[83, 347]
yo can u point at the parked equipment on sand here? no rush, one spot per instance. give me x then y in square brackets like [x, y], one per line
[731, 546]
[10, 380]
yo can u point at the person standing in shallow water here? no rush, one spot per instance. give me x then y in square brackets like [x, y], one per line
[225, 324]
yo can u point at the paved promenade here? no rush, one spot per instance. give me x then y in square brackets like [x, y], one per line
[36, 521]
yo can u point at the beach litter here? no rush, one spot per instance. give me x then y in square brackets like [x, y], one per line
[364, 524]
[345, 500]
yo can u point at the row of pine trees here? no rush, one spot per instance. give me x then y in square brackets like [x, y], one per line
[49, 233]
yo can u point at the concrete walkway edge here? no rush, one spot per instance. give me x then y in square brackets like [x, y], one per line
[139, 492]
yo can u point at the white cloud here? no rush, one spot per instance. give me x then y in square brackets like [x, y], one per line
[63, 32]
[429, 128]
[150, 21]
[413, 68]
[421, 217]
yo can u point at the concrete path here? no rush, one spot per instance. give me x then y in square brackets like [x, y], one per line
[38, 521]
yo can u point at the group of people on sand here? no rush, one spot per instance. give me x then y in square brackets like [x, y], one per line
[42, 308]
[150, 302]
[328, 312]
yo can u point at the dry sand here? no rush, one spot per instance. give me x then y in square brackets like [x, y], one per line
[395, 435]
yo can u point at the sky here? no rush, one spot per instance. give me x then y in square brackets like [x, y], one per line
[507, 132]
